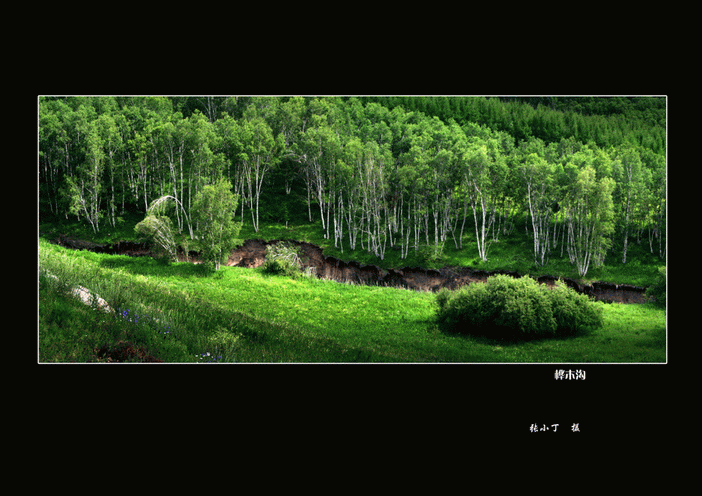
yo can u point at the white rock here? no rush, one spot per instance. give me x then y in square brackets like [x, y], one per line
[87, 296]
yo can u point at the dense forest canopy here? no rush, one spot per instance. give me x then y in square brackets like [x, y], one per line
[606, 121]
[377, 172]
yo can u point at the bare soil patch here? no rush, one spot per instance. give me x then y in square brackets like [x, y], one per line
[125, 351]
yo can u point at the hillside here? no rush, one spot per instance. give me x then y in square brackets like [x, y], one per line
[174, 313]
[379, 194]
[412, 175]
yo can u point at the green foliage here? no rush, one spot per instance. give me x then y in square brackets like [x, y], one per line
[605, 121]
[658, 289]
[158, 231]
[572, 311]
[284, 259]
[213, 213]
[381, 172]
[505, 307]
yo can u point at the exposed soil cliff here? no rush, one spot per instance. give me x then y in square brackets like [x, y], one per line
[253, 253]
[119, 248]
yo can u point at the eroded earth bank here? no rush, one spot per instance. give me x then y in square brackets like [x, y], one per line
[253, 253]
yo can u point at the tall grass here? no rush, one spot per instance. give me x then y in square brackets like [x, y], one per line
[148, 299]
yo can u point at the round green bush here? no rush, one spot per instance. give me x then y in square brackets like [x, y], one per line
[510, 308]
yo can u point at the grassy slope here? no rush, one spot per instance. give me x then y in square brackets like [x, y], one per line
[245, 315]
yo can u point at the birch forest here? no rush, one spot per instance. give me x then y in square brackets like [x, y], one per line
[377, 173]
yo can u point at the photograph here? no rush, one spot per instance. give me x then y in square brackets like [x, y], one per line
[472, 230]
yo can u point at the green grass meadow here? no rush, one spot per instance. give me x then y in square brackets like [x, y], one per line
[179, 314]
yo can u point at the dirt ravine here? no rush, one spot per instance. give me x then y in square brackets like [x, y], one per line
[119, 248]
[253, 254]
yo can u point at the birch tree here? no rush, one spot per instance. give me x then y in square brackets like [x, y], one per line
[444, 173]
[476, 177]
[200, 134]
[630, 188]
[657, 200]
[259, 151]
[373, 188]
[53, 152]
[174, 151]
[538, 176]
[213, 212]
[112, 142]
[319, 148]
[589, 213]
[291, 120]
[86, 186]
[349, 167]
[229, 131]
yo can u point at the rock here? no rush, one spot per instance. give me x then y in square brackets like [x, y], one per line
[87, 297]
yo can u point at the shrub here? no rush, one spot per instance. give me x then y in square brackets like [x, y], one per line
[158, 231]
[282, 258]
[505, 307]
[658, 290]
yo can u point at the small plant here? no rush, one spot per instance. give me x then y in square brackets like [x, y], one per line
[208, 357]
[430, 254]
[222, 347]
[284, 259]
